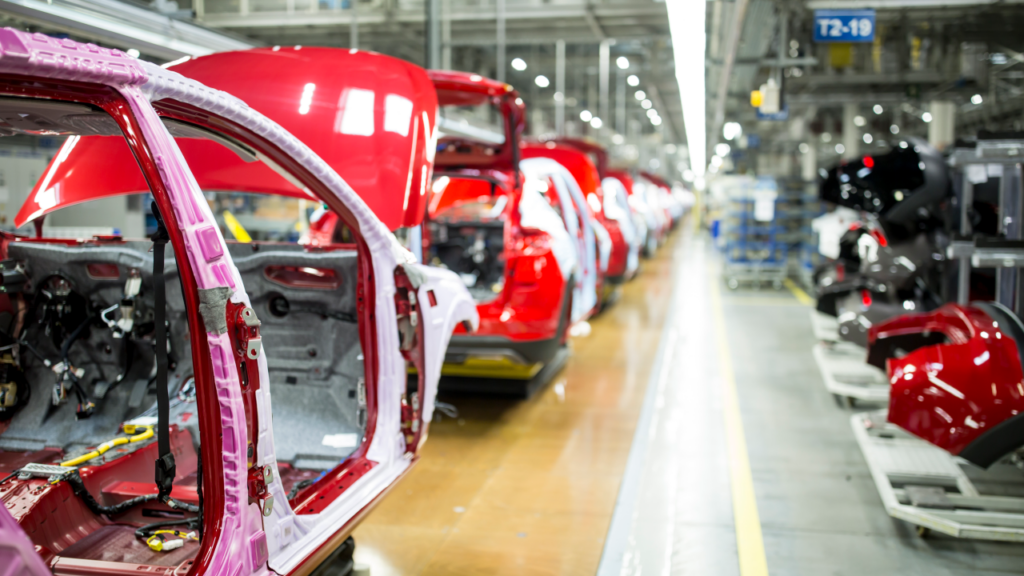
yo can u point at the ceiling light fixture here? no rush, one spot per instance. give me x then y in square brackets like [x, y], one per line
[732, 130]
[519, 64]
[633, 80]
[542, 81]
[622, 62]
[686, 23]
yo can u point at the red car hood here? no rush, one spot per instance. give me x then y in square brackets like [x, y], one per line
[370, 116]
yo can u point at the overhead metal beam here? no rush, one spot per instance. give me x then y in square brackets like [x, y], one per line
[539, 40]
[901, 4]
[824, 80]
[433, 32]
[500, 19]
[124, 25]
[732, 44]
[560, 87]
[595, 26]
[549, 12]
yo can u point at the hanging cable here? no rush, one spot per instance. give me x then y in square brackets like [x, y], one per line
[165, 467]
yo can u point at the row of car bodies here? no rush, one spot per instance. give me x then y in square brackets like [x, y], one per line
[534, 228]
[273, 375]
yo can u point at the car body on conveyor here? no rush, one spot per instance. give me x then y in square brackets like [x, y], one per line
[558, 186]
[607, 199]
[646, 198]
[504, 239]
[282, 409]
[668, 199]
[956, 377]
[644, 221]
[605, 247]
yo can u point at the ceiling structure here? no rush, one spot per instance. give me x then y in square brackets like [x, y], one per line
[968, 52]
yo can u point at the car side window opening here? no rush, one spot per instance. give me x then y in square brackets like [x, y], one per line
[79, 372]
[299, 265]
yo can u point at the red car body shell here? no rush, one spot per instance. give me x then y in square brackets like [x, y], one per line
[955, 393]
[534, 293]
[583, 169]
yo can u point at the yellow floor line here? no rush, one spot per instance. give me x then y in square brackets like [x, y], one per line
[749, 542]
[798, 292]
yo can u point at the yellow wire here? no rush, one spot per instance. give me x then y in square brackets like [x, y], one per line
[106, 446]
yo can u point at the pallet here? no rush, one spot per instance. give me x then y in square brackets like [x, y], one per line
[936, 491]
[826, 327]
[848, 376]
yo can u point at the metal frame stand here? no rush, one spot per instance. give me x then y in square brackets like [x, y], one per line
[847, 376]
[936, 491]
[825, 326]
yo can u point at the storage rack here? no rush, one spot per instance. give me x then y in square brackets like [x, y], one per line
[754, 250]
[917, 481]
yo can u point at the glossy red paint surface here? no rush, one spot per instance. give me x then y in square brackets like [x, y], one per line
[533, 296]
[950, 394]
[374, 124]
[465, 89]
[598, 154]
[370, 116]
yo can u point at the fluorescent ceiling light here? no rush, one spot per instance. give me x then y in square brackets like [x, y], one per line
[732, 130]
[686, 21]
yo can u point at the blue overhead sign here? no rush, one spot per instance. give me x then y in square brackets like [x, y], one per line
[844, 25]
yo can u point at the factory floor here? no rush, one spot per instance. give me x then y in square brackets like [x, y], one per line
[690, 433]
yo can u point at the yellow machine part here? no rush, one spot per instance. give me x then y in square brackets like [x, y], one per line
[236, 228]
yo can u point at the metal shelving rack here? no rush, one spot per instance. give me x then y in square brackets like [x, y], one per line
[754, 251]
[921, 483]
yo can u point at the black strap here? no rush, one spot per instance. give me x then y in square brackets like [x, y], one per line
[165, 468]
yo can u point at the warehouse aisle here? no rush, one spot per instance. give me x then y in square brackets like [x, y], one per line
[517, 487]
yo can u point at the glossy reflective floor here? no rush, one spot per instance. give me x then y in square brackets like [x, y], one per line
[624, 464]
[528, 487]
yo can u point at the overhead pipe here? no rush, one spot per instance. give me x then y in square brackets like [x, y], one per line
[501, 40]
[732, 45]
[603, 69]
[125, 26]
[560, 87]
